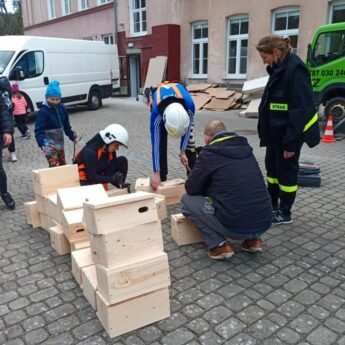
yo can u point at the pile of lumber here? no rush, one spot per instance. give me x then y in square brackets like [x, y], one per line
[253, 91]
[214, 97]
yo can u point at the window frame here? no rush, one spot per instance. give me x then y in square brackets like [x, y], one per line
[331, 9]
[132, 11]
[25, 54]
[99, 2]
[200, 42]
[80, 2]
[111, 36]
[63, 7]
[238, 38]
[51, 9]
[286, 32]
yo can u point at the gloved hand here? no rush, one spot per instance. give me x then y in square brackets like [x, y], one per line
[118, 179]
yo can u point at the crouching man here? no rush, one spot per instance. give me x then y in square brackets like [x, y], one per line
[226, 194]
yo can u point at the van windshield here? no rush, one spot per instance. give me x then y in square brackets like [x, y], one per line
[5, 57]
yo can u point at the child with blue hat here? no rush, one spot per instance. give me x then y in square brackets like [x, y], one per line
[51, 124]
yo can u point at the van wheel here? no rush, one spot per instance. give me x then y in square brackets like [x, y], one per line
[336, 108]
[94, 102]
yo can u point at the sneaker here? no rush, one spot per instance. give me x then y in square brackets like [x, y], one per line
[281, 218]
[10, 204]
[221, 253]
[252, 246]
[28, 135]
[12, 157]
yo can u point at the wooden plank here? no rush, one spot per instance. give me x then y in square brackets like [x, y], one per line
[198, 87]
[127, 243]
[156, 71]
[173, 191]
[255, 85]
[119, 212]
[41, 204]
[89, 279]
[200, 99]
[116, 192]
[58, 240]
[80, 258]
[47, 222]
[52, 209]
[143, 185]
[215, 91]
[72, 224]
[133, 278]
[253, 108]
[161, 206]
[32, 214]
[183, 231]
[47, 181]
[225, 94]
[80, 244]
[132, 314]
[73, 198]
[220, 104]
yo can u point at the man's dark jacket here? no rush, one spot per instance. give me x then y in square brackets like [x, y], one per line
[289, 85]
[227, 171]
[6, 119]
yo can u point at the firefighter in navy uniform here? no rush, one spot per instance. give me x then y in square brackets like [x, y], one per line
[287, 119]
[172, 112]
[97, 161]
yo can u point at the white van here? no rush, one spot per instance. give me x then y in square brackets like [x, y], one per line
[88, 71]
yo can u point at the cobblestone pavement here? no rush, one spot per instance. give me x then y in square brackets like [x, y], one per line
[292, 293]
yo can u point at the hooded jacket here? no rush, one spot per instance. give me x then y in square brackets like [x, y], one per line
[51, 118]
[6, 119]
[94, 167]
[287, 113]
[227, 171]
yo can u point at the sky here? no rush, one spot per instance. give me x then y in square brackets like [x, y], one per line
[9, 5]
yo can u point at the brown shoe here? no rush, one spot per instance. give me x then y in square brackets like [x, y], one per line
[252, 246]
[221, 253]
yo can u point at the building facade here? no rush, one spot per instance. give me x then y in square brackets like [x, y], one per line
[204, 40]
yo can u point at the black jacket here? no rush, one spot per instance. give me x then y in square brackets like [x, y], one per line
[287, 106]
[6, 119]
[227, 171]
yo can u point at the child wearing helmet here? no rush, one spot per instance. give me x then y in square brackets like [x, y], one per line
[51, 123]
[172, 112]
[98, 162]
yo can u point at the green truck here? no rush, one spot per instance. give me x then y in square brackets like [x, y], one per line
[326, 62]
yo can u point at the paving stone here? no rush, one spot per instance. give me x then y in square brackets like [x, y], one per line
[209, 301]
[14, 331]
[198, 326]
[242, 339]
[180, 336]
[318, 312]
[322, 336]
[250, 314]
[87, 329]
[62, 325]
[14, 317]
[279, 296]
[295, 285]
[288, 336]
[217, 314]
[304, 324]
[210, 338]
[174, 321]
[335, 325]
[33, 323]
[263, 329]
[63, 339]
[307, 297]
[228, 328]
[150, 334]
[35, 337]
[192, 311]
[237, 303]
[291, 309]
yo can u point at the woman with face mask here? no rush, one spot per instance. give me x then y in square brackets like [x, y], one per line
[51, 123]
[287, 119]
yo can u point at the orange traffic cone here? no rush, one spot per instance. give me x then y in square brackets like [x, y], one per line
[328, 136]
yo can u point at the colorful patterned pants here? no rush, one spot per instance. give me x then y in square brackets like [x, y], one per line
[56, 158]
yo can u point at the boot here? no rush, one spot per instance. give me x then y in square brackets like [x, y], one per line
[10, 204]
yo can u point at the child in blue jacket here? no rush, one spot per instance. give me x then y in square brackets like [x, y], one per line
[51, 123]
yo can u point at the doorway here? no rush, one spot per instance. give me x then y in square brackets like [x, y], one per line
[134, 75]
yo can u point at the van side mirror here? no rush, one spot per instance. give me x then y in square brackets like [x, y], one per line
[18, 73]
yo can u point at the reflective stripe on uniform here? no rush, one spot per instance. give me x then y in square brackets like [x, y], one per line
[279, 106]
[288, 189]
[220, 139]
[310, 122]
[272, 180]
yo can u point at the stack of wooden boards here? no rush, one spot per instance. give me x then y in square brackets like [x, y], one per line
[213, 97]
[253, 91]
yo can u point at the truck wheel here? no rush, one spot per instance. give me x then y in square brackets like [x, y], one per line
[336, 108]
[95, 101]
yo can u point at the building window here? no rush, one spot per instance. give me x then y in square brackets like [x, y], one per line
[138, 17]
[199, 49]
[66, 7]
[83, 4]
[51, 9]
[237, 47]
[108, 39]
[102, 2]
[285, 22]
[337, 12]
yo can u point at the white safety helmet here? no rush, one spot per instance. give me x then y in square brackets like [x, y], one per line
[176, 120]
[115, 132]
